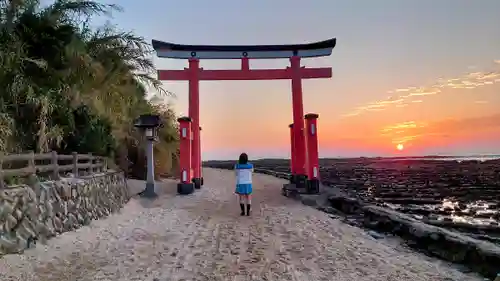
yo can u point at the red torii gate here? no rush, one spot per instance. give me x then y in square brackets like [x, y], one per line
[304, 165]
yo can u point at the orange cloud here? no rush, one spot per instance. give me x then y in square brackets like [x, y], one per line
[404, 96]
[406, 132]
[403, 132]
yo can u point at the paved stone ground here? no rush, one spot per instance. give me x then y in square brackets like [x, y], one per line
[202, 237]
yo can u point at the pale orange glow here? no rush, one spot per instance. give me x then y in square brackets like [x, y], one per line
[404, 96]
[443, 118]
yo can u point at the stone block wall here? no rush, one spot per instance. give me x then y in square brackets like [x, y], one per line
[41, 210]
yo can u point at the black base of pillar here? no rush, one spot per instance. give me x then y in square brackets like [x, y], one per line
[288, 190]
[149, 192]
[313, 186]
[297, 185]
[185, 188]
[197, 183]
[301, 182]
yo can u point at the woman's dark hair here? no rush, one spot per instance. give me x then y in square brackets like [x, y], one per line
[243, 159]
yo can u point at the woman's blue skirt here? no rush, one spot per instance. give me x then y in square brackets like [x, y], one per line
[244, 189]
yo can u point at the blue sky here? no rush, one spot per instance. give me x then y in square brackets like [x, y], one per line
[382, 45]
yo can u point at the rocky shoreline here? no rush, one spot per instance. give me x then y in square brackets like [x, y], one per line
[447, 209]
[479, 256]
[462, 196]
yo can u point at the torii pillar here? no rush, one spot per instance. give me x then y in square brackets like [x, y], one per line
[194, 113]
[194, 74]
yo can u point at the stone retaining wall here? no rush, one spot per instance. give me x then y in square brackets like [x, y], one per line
[41, 210]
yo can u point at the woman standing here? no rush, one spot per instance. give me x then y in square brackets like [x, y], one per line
[244, 172]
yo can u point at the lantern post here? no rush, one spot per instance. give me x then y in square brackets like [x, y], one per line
[149, 124]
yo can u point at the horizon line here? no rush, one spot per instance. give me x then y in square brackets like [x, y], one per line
[379, 157]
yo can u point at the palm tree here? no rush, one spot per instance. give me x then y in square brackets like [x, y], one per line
[56, 71]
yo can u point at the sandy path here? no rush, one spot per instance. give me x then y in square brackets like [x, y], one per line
[202, 237]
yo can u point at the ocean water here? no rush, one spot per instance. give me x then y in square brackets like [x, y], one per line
[473, 207]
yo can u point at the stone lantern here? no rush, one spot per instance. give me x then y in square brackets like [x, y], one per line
[149, 124]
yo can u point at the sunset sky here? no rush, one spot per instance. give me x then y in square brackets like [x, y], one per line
[422, 74]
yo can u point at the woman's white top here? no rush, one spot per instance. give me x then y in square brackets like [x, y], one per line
[244, 173]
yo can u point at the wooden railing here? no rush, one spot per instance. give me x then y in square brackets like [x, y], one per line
[21, 165]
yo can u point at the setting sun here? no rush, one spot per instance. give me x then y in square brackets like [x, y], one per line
[400, 147]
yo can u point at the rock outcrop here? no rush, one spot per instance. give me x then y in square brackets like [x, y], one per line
[480, 256]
